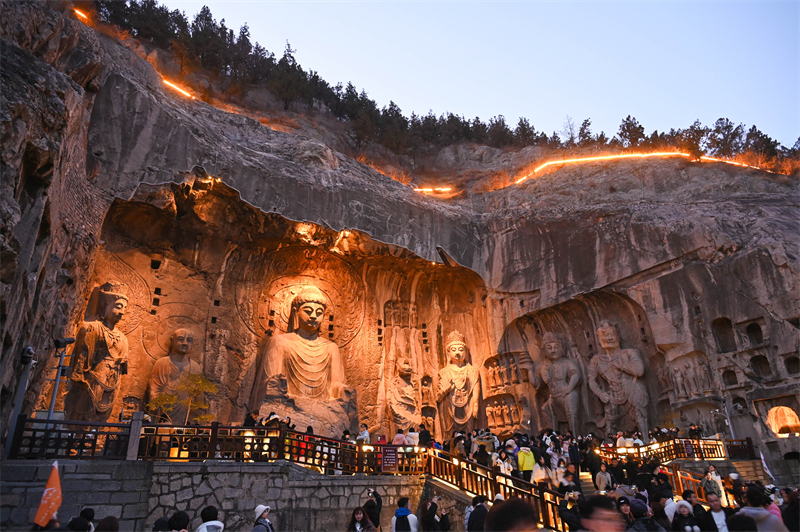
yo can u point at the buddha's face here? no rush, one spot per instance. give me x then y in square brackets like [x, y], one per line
[553, 350]
[310, 315]
[404, 367]
[115, 311]
[457, 353]
[182, 341]
[609, 339]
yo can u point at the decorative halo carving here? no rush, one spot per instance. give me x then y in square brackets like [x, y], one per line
[109, 267]
[171, 316]
[266, 303]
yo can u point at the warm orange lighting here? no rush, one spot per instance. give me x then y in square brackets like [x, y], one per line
[169, 84]
[432, 190]
[629, 156]
[81, 14]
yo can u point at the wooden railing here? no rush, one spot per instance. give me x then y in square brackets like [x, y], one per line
[684, 449]
[42, 439]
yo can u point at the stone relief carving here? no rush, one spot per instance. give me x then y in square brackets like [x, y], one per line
[691, 376]
[562, 376]
[677, 379]
[168, 371]
[459, 387]
[304, 370]
[99, 359]
[403, 396]
[614, 377]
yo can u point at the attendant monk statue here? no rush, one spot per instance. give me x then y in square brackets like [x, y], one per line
[459, 387]
[168, 371]
[614, 377]
[99, 359]
[403, 397]
[562, 376]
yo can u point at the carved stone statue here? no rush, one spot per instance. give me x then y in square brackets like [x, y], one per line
[515, 414]
[426, 390]
[514, 372]
[168, 370]
[562, 376]
[99, 359]
[663, 378]
[506, 373]
[403, 397]
[677, 378]
[691, 380]
[494, 380]
[614, 377]
[506, 415]
[490, 419]
[302, 374]
[459, 387]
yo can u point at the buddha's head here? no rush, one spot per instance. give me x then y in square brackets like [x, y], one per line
[181, 342]
[308, 309]
[112, 304]
[553, 346]
[608, 335]
[404, 368]
[456, 348]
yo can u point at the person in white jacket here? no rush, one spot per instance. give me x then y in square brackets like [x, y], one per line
[211, 522]
[404, 512]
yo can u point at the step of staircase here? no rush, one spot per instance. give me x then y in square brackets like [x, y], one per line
[586, 483]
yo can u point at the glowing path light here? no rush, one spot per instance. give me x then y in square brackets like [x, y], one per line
[81, 14]
[631, 156]
[432, 190]
[178, 89]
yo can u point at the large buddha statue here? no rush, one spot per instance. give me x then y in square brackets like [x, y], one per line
[303, 370]
[614, 377]
[168, 371]
[99, 359]
[459, 387]
[562, 376]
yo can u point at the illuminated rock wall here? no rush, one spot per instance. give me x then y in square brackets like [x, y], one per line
[695, 265]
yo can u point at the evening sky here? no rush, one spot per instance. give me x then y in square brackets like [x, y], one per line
[665, 63]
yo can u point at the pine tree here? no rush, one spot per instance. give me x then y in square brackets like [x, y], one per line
[631, 133]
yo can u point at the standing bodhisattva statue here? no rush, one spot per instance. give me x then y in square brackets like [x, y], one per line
[99, 359]
[459, 387]
[311, 365]
[614, 377]
[562, 376]
[168, 370]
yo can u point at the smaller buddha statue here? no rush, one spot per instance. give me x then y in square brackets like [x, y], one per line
[168, 371]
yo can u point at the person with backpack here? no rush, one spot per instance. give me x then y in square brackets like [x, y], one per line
[404, 520]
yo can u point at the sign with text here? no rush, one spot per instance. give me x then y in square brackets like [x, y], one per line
[389, 461]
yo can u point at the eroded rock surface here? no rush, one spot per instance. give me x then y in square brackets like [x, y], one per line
[213, 220]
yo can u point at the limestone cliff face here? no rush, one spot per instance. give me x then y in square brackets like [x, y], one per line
[106, 173]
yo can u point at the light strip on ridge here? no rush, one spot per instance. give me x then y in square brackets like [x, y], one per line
[81, 14]
[633, 156]
[178, 89]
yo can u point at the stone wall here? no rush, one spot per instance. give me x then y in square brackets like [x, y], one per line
[113, 488]
[141, 492]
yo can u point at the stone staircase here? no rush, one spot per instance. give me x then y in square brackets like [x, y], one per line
[586, 483]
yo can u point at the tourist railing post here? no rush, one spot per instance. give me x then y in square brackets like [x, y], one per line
[134, 432]
[212, 443]
[17, 441]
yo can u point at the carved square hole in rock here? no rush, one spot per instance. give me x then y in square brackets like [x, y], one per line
[216, 302]
[587, 334]
[153, 312]
[155, 264]
[427, 349]
[157, 291]
[269, 332]
[214, 319]
[271, 312]
[425, 341]
[330, 335]
[424, 325]
[331, 318]
[330, 327]
[697, 311]
[271, 323]
[425, 334]
[380, 332]
[380, 323]
[156, 301]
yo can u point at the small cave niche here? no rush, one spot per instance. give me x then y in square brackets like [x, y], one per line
[755, 334]
[724, 334]
[760, 366]
[729, 378]
[783, 420]
[792, 365]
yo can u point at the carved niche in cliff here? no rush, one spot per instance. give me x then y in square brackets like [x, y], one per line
[608, 340]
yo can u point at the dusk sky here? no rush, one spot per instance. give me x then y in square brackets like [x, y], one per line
[665, 63]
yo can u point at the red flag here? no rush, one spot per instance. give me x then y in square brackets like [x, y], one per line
[51, 498]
